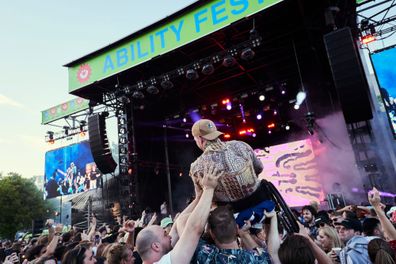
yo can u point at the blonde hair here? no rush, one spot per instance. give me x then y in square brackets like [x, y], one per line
[333, 235]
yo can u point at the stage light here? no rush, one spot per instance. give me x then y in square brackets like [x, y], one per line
[82, 133]
[271, 125]
[184, 120]
[247, 54]
[367, 39]
[187, 135]
[254, 135]
[192, 74]
[301, 95]
[66, 128]
[152, 90]
[180, 174]
[138, 95]
[51, 137]
[229, 106]
[269, 132]
[167, 84]
[225, 101]
[227, 136]
[259, 116]
[287, 127]
[275, 112]
[283, 92]
[208, 69]
[228, 61]
[262, 97]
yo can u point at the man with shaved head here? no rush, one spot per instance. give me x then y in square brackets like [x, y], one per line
[154, 244]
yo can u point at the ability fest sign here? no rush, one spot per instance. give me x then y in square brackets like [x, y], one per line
[194, 24]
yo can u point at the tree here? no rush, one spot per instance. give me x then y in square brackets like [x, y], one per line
[20, 203]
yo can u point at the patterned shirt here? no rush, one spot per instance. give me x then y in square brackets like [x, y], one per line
[208, 254]
[240, 166]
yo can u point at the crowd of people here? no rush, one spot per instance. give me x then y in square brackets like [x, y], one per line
[230, 220]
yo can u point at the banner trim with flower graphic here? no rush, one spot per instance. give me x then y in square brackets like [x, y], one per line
[63, 110]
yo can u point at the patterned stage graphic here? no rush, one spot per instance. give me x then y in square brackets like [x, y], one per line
[292, 169]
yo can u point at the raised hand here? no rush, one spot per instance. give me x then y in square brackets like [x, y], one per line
[374, 198]
[129, 226]
[269, 215]
[211, 177]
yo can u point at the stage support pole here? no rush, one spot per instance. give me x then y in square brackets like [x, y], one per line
[168, 176]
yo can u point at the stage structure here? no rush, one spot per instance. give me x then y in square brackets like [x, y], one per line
[260, 69]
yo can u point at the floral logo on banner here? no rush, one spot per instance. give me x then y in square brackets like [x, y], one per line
[83, 73]
[65, 106]
[79, 100]
[53, 110]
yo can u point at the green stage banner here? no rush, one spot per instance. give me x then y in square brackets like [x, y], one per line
[361, 1]
[62, 110]
[205, 19]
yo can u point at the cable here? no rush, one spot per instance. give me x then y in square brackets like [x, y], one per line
[386, 14]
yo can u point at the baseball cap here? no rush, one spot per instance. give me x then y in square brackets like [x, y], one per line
[206, 129]
[165, 222]
[352, 224]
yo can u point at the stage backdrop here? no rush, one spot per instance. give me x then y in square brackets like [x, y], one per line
[292, 169]
[384, 62]
[69, 170]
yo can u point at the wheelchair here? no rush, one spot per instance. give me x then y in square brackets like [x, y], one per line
[285, 215]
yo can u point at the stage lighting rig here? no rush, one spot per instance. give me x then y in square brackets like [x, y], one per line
[151, 89]
[310, 121]
[192, 74]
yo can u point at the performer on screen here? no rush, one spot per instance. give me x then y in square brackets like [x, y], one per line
[239, 186]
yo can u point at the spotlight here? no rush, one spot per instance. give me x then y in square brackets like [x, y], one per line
[187, 135]
[225, 101]
[287, 127]
[192, 74]
[254, 135]
[152, 89]
[229, 106]
[271, 125]
[227, 136]
[283, 92]
[66, 128]
[207, 69]
[51, 137]
[184, 120]
[262, 97]
[247, 54]
[275, 112]
[259, 116]
[138, 95]
[269, 132]
[301, 95]
[228, 61]
[167, 84]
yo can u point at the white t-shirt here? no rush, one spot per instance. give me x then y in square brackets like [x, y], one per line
[166, 259]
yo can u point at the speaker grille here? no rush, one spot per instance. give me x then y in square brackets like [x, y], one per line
[99, 144]
[348, 75]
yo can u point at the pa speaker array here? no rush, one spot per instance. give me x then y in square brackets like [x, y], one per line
[99, 144]
[348, 75]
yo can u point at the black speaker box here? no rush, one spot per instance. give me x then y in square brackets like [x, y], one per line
[99, 144]
[348, 75]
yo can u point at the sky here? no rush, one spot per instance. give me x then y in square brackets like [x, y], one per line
[36, 39]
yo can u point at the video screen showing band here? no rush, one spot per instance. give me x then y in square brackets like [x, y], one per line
[70, 170]
[384, 62]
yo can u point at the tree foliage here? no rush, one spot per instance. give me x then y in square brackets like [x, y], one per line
[20, 203]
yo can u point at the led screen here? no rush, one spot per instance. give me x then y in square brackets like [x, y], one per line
[70, 170]
[291, 167]
[384, 62]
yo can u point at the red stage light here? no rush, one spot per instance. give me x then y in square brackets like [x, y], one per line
[247, 131]
[367, 39]
[227, 136]
[51, 141]
[225, 101]
[82, 133]
[272, 125]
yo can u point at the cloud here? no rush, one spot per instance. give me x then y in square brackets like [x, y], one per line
[4, 100]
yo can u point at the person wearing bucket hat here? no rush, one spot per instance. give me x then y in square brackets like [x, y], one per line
[166, 224]
[239, 186]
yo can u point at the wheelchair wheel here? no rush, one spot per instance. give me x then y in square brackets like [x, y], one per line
[284, 213]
